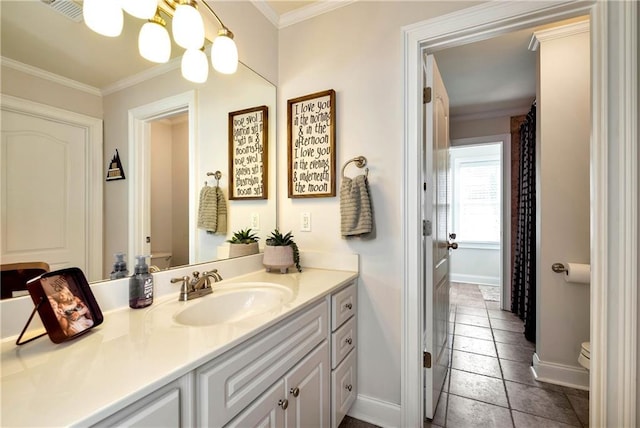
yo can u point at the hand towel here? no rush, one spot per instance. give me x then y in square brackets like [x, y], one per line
[208, 209]
[221, 206]
[355, 207]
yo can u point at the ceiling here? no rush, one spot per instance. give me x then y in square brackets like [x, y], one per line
[498, 73]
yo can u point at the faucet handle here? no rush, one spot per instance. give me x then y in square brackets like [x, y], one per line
[184, 293]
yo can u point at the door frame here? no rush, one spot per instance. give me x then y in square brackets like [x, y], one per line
[139, 158]
[504, 140]
[93, 142]
[614, 208]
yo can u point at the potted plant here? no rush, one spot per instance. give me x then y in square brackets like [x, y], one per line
[281, 252]
[243, 243]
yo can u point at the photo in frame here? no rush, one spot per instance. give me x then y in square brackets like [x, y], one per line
[311, 154]
[65, 303]
[248, 153]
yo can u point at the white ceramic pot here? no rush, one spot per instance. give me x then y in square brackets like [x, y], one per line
[277, 258]
[237, 250]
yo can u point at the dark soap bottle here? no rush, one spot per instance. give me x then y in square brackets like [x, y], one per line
[141, 285]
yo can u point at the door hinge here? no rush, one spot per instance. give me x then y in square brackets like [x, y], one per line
[426, 228]
[426, 95]
[426, 360]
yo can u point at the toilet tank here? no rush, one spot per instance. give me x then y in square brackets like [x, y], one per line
[161, 259]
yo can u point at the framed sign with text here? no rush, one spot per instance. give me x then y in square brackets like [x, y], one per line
[248, 153]
[311, 154]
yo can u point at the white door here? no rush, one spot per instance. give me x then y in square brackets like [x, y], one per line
[44, 191]
[435, 211]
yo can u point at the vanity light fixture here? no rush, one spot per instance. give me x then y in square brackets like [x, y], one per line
[154, 43]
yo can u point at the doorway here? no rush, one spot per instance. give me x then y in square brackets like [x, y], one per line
[140, 120]
[610, 22]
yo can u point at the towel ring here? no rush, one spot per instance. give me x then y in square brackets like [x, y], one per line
[360, 162]
[217, 175]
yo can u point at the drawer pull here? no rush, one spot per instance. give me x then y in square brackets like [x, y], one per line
[349, 341]
[348, 388]
[295, 391]
[285, 403]
[348, 306]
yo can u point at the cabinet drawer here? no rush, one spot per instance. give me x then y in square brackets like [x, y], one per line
[231, 382]
[343, 341]
[343, 306]
[343, 388]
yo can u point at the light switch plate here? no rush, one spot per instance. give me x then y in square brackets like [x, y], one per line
[255, 221]
[305, 222]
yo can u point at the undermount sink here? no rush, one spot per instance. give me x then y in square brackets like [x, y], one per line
[234, 303]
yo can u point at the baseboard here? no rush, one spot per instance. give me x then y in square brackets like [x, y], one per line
[475, 279]
[377, 412]
[560, 374]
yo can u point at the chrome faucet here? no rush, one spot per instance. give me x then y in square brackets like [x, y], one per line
[198, 286]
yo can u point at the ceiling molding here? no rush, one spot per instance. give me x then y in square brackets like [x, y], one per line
[49, 76]
[314, 9]
[507, 112]
[557, 33]
[142, 76]
[267, 11]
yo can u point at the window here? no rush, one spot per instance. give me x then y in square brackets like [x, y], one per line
[477, 193]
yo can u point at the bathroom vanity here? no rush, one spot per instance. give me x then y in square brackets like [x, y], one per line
[292, 364]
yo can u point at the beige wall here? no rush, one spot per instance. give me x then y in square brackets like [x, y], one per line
[161, 176]
[357, 51]
[18, 84]
[563, 230]
[460, 128]
[180, 192]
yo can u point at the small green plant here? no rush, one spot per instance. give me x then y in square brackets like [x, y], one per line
[244, 237]
[277, 239]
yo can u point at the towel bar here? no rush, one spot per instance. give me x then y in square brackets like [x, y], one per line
[360, 162]
[217, 175]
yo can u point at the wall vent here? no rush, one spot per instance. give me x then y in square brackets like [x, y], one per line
[68, 8]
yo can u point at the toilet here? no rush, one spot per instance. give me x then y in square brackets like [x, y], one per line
[161, 259]
[585, 355]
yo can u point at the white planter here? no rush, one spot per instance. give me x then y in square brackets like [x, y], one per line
[238, 250]
[277, 258]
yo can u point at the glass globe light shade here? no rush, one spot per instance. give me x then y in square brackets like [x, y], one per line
[143, 9]
[187, 27]
[195, 66]
[154, 43]
[103, 17]
[224, 53]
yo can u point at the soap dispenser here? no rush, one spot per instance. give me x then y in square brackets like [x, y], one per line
[141, 285]
[119, 267]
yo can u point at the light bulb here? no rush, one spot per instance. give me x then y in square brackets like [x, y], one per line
[154, 43]
[224, 53]
[103, 16]
[187, 27]
[195, 66]
[143, 9]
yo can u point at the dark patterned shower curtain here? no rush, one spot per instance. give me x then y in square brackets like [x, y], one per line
[523, 281]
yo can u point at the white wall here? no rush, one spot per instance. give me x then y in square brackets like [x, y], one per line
[563, 230]
[357, 51]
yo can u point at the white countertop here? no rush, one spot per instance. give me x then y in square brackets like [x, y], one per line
[132, 353]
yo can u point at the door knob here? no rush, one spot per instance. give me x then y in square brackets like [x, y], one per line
[283, 403]
[295, 391]
[452, 236]
[452, 245]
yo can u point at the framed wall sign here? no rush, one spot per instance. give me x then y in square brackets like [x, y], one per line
[248, 149]
[311, 154]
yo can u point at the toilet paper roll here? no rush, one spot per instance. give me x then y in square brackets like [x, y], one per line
[578, 273]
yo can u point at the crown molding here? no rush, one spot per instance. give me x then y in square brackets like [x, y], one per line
[302, 14]
[507, 112]
[142, 76]
[47, 75]
[557, 33]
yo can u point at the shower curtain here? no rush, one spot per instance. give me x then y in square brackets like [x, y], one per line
[523, 281]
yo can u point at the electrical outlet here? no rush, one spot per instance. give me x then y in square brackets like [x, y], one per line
[255, 221]
[305, 222]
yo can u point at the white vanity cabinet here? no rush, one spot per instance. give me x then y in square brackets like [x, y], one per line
[230, 385]
[169, 406]
[343, 352]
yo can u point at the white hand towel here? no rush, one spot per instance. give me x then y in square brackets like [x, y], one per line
[355, 207]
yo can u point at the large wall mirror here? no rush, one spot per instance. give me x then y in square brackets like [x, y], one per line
[168, 133]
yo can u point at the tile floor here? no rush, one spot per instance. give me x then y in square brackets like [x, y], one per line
[490, 383]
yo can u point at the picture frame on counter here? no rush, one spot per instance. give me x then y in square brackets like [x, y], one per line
[248, 153]
[311, 145]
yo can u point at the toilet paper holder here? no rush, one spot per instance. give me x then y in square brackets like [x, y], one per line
[558, 268]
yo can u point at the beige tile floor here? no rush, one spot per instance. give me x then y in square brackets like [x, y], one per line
[490, 383]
